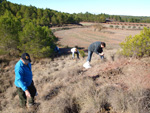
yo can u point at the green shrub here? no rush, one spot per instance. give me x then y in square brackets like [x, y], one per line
[2, 52]
[137, 46]
[36, 40]
[129, 26]
[18, 36]
[111, 26]
[117, 26]
[82, 53]
[139, 27]
[134, 27]
[9, 28]
[123, 27]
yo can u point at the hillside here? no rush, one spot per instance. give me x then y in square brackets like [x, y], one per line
[114, 85]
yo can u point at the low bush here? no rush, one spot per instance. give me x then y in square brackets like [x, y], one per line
[137, 46]
[98, 27]
[111, 26]
[129, 26]
[134, 27]
[117, 26]
[123, 27]
[82, 53]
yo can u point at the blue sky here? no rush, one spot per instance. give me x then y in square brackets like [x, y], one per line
[112, 7]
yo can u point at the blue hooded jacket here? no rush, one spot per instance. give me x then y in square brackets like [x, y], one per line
[23, 75]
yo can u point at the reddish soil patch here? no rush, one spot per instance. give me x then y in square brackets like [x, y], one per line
[82, 37]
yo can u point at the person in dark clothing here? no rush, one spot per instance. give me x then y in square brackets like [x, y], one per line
[96, 47]
[56, 49]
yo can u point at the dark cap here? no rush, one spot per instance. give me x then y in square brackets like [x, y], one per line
[26, 57]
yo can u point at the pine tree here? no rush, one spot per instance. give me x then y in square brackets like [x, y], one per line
[36, 40]
[9, 28]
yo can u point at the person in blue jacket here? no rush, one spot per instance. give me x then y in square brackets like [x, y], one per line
[96, 47]
[24, 82]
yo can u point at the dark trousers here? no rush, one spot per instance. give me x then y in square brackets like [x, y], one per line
[77, 54]
[22, 95]
[73, 55]
[90, 56]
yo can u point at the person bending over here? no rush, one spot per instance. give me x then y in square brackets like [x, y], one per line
[96, 47]
[75, 51]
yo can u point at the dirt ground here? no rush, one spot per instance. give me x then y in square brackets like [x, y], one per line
[84, 36]
[113, 85]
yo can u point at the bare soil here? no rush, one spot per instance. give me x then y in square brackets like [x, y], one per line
[84, 36]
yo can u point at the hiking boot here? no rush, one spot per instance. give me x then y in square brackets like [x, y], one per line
[33, 105]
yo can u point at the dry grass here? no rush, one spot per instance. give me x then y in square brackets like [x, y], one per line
[116, 85]
[97, 27]
[72, 89]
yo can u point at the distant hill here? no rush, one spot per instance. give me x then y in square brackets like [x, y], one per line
[49, 17]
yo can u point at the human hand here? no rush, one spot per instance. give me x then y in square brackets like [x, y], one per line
[101, 54]
[27, 93]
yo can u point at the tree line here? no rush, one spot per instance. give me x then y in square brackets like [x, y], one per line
[26, 28]
[23, 30]
[43, 17]
[49, 17]
[88, 17]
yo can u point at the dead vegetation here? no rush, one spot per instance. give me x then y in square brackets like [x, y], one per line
[98, 27]
[115, 85]
[64, 86]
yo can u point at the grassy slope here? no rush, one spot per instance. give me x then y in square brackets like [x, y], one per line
[117, 84]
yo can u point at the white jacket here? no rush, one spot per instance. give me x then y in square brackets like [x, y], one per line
[73, 50]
